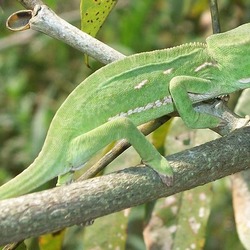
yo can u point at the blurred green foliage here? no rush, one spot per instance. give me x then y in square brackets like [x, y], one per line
[37, 73]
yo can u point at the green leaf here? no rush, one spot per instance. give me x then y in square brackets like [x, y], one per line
[243, 106]
[93, 15]
[159, 230]
[241, 184]
[108, 232]
[52, 241]
[159, 136]
[192, 218]
[241, 203]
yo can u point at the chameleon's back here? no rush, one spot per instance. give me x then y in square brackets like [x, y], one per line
[138, 83]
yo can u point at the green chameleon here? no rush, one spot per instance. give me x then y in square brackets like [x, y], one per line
[113, 101]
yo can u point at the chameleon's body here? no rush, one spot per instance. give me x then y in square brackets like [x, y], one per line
[111, 102]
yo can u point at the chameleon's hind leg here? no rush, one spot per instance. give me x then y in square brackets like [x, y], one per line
[85, 146]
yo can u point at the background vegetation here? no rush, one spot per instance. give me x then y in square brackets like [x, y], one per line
[36, 75]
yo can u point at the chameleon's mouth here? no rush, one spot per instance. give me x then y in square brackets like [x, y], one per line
[224, 98]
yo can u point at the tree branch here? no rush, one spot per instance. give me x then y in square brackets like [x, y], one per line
[30, 4]
[20, 38]
[51, 210]
[43, 19]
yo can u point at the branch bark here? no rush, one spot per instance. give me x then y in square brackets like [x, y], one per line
[77, 203]
[43, 19]
[30, 4]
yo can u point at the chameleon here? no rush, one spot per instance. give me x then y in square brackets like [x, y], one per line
[113, 101]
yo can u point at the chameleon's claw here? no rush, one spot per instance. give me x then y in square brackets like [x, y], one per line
[167, 180]
[163, 169]
[222, 123]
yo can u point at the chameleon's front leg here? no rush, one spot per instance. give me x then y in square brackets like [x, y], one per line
[179, 88]
[85, 146]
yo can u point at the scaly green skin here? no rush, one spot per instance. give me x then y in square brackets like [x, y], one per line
[109, 104]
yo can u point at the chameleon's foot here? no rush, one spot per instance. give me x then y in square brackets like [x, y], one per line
[163, 169]
[166, 179]
[222, 123]
[65, 179]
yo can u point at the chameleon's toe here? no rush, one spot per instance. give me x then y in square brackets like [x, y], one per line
[166, 179]
[163, 169]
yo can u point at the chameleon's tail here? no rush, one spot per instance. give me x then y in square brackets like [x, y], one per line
[34, 176]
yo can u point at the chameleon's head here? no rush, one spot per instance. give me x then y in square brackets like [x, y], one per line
[230, 43]
[232, 51]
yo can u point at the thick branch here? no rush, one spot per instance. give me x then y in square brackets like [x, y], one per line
[51, 210]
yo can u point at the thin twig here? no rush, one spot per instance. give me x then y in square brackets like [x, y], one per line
[30, 4]
[43, 19]
[215, 16]
[26, 37]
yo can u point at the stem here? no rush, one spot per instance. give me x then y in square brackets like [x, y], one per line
[43, 19]
[215, 16]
